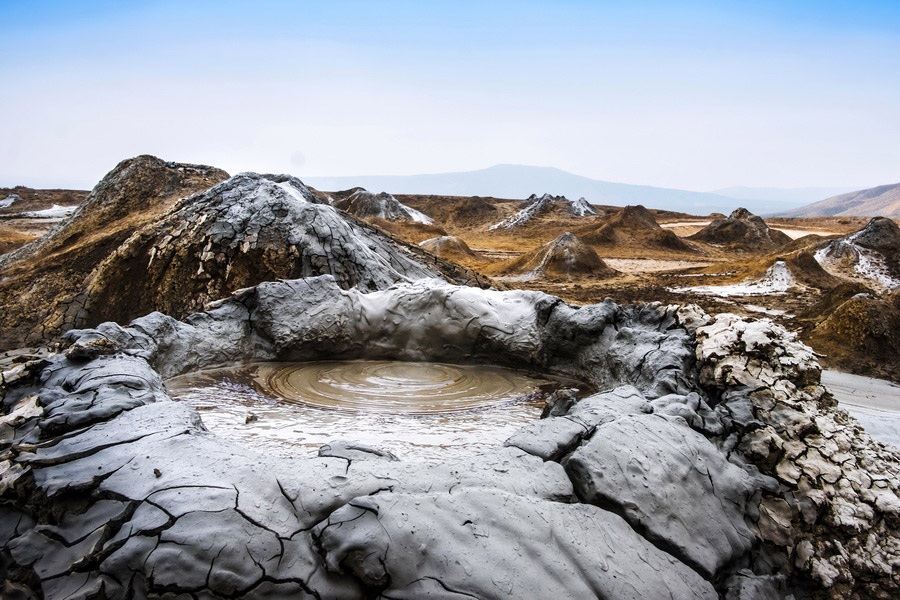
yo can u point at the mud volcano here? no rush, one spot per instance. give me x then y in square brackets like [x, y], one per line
[711, 463]
[414, 410]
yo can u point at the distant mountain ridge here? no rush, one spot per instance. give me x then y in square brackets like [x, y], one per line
[520, 181]
[880, 201]
[786, 197]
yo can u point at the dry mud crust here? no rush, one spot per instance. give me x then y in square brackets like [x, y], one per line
[713, 463]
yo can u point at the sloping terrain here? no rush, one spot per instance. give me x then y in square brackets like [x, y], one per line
[11, 238]
[39, 283]
[246, 230]
[517, 181]
[452, 248]
[871, 255]
[741, 231]
[881, 201]
[861, 335]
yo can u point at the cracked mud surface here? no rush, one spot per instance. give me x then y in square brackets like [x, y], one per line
[712, 463]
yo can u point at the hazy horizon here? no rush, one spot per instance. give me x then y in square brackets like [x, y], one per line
[692, 95]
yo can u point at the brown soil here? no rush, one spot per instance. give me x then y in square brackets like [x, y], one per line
[40, 283]
[407, 230]
[635, 225]
[11, 238]
[862, 336]
[33, 199]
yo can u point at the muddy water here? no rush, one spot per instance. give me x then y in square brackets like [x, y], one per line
[416, 410]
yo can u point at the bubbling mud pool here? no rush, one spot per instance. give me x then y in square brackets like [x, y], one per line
[417, 410]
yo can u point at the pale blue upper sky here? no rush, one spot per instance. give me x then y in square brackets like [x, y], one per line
[696, 95]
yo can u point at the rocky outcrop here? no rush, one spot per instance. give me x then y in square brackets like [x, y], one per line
[635, 226]
[364, 205]
[742, 230]
[538, 205]
[711, 463]
[566, 256]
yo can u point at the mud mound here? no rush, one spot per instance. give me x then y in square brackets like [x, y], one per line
[365, 205]
[249, 229]
[566, 256]
[862, 336]
[871, 255]
[474, 210]
[451, 248]
[635, 217]
[806, 269]
[879, 234]
[636, 226]
[712, 457]
[12, 200]
[770, 275]
[742, 230]
[39, 282]
[537, 206]
[831, 299]
[409, 231]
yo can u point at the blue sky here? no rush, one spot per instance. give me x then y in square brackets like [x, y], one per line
[696, 95]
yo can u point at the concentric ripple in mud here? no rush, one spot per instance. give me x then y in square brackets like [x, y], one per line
[416, 410]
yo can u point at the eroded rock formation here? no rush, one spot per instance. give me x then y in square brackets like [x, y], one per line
[710, 463]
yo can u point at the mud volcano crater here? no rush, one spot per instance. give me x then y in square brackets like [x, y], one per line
[417, 410]
[711, 463]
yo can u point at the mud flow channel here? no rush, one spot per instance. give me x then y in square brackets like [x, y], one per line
[417, 410]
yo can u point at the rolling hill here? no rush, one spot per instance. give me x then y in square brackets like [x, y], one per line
[881, 201]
